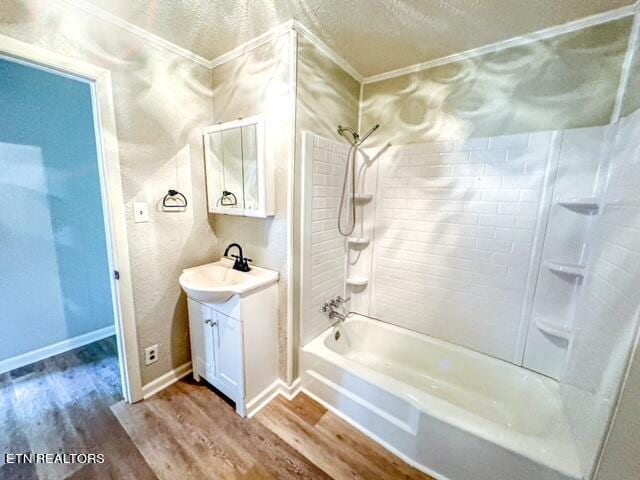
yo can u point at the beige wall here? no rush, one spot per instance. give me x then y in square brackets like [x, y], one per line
[258, 83]
[327, 96]
[161, 101]
[567, 81]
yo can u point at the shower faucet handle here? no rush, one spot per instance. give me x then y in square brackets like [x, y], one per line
[337, 301]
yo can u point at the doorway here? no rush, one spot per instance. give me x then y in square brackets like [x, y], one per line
[61, 176]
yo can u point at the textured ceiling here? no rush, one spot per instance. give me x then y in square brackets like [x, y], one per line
[374, 36]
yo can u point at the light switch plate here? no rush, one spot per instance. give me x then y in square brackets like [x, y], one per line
[140, 212]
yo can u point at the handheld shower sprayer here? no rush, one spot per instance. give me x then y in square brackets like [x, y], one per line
[356, 141]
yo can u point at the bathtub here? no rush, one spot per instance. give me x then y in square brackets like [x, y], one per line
[450, 412]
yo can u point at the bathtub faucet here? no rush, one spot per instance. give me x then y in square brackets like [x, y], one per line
[331, 307]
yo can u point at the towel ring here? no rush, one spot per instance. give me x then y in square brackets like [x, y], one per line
[226, 199]
[171, 194]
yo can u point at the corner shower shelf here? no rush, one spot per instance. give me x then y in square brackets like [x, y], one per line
[580, 204]
[362, 198]
[552, 328]
[571, 269]
[358, 242]
[357, 281]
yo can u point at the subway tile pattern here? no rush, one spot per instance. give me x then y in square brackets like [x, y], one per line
[454, 229]
[327, 245]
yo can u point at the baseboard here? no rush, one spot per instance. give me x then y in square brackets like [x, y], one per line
[272, 391]
[169, 378]
[56, 349]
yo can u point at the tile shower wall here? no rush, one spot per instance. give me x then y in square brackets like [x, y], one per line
[608, 308]
[324, 248]
[454, 233]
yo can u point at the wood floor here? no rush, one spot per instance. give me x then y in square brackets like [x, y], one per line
[71, 404]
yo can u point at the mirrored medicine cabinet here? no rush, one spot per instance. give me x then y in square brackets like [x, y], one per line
[238, 171]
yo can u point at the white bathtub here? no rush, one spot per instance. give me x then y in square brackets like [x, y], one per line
[449, 411]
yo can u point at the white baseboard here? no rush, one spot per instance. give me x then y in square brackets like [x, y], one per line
[276, 388]
[55, 349]
[169, 378]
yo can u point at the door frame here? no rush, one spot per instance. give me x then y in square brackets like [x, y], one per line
[99, 80]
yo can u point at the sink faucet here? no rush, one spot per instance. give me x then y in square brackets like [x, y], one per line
[242, 263]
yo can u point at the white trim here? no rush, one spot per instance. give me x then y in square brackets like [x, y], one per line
[113, 200]
[166, 380]
[328, 51]
[360, 109]
[140, 32]
[279, 30]
[372, 436]
[632, 47]
[56, 349]
[291, 177]
[571, 26]
[252, 44]
[272, 391]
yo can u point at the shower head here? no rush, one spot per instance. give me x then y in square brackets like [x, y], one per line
[366, 135]
[357, 140]
[354, 134]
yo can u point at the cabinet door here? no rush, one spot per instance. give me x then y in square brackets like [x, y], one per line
[228, 352]
[201, 335]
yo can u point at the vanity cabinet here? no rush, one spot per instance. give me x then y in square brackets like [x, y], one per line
[234, 346]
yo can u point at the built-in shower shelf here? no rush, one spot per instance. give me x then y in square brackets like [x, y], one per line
[358, 242]
[580, 204]
[356, 281]
[553, 328]
[572, 269]
[362, 198]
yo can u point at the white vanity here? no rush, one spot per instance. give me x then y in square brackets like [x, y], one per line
[233, 323]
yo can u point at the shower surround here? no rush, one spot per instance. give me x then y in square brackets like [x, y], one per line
[479, 243]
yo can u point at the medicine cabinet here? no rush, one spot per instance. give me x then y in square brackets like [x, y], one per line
[238, 170]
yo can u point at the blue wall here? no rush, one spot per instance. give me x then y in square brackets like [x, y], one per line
[54, 275]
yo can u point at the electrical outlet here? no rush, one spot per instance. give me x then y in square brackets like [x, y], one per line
[151, 354]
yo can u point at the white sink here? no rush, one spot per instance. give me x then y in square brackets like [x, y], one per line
[218, 282]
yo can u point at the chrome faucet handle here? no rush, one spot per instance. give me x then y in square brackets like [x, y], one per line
[326, 307]
[336, 302]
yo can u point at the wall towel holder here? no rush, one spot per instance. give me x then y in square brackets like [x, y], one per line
[172, 194]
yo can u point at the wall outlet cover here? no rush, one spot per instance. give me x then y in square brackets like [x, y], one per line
[151, 354]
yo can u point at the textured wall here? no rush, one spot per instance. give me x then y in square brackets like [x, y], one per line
[608, 309]
[568, 81]
[53, 237]
[161, 101]
[258, 83]
[327, 96]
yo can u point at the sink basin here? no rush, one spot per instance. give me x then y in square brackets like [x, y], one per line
[218, 282]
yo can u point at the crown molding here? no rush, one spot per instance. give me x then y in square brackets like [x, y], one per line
[328, 51]
[150, 37]
[339, 60]
[571, 26]
[279, 30]
[255, 42]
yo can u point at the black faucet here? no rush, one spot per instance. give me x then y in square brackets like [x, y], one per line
[242, 263]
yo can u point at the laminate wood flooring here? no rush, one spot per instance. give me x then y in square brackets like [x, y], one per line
[71, 403]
